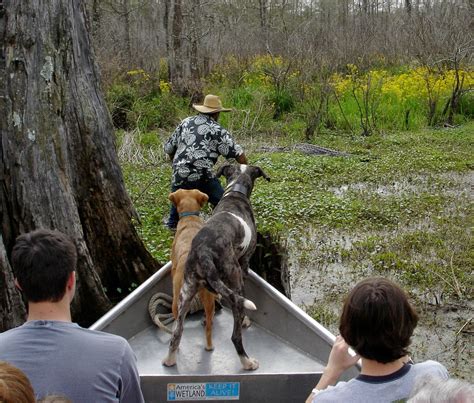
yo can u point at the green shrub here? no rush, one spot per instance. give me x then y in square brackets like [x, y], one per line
[283, 102]
[466, 105]
[120, 99]
[267, 96]
[155, 112]
[241, 97]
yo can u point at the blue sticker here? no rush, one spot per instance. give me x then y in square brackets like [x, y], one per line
[203, 391]
[229, 390]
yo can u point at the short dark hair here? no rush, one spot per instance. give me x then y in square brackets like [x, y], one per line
[377, 320]
[42, 261]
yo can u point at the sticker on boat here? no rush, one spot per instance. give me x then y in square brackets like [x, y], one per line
[203, 391]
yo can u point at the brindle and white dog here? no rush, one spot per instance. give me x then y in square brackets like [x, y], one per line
[220, 255]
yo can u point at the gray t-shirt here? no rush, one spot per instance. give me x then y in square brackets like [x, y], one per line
[63, 358]
[391, 388]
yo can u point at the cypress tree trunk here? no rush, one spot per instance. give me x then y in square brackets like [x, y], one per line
[12, 309]
[176, 57]
[58, 163]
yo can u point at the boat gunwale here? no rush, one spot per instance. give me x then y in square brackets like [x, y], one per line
[135, 295]
[271, 291]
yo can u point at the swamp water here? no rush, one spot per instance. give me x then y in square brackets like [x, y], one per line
[311, 269]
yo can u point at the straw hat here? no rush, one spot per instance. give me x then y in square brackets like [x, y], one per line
[211, 104]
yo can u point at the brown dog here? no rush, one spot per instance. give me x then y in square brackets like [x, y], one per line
[189, 203]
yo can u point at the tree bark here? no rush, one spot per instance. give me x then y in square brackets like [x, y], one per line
[127, 36]
[263, 12]
[176, 60]
[58, 163]
[408, 6]
[12, 308]
[195, 38]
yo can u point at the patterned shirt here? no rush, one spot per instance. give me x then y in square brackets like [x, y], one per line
[196, 144]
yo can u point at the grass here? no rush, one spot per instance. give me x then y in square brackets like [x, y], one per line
[404, 184]
[399, 206]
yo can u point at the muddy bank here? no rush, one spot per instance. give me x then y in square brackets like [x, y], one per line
[445, 331]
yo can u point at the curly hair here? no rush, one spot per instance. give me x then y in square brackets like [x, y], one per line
[377, 320]
[15, 386]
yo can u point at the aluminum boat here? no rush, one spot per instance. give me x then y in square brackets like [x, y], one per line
[291, 347]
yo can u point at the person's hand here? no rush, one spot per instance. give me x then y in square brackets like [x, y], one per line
[340, 359]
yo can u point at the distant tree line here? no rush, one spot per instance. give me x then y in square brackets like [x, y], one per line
[186, 38]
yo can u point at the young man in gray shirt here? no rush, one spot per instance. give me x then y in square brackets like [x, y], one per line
[58, 356]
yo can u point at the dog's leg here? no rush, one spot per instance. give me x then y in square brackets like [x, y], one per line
[238, 304]
[244, 265]
[246, 322]
[248, 363]
[177, 285]
[208, 301]
[188, 291]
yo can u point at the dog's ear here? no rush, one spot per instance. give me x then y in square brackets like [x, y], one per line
[261, 173]
[225, 170]
[202, 198]
[172, 197]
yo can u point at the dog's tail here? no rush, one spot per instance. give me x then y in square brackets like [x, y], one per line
[220, 288]
[217, 286]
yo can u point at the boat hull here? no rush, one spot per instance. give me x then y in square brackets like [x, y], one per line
[291, 347]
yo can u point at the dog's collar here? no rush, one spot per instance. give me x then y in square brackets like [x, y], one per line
[189, 213]
[238, 188]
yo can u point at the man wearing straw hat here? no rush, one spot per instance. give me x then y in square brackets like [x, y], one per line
[194, 148]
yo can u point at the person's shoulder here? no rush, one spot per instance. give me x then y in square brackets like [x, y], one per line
[339, 392]
[106, 343]
[190, 119]
[102, 336]
[431, 367]
[185, 122]
[10, 332]
[83, 335]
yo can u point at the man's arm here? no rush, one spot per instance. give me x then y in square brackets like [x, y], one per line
[171, 144]
[131, 390]
[339, 360]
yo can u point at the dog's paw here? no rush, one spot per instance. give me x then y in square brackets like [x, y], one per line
[249, 363]
[169, 361]
[246, 322]
[209, 348]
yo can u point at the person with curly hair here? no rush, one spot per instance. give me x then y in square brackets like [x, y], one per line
[15, 387]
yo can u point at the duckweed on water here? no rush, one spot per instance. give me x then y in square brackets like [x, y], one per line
[387, 184]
